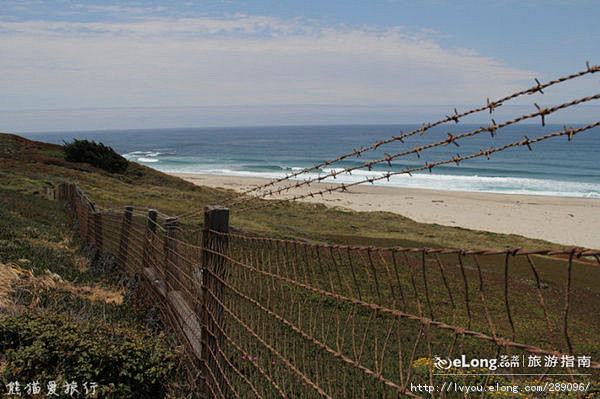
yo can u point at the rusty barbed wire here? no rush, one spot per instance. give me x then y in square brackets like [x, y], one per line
[570, 132]
[577, 252]
[491, 106]
[492, 129]
[542, 112]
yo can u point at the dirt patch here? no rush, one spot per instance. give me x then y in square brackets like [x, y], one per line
[95, 293]
[81, 263]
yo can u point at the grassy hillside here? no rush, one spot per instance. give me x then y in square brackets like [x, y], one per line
[26, 166]
[62, 319]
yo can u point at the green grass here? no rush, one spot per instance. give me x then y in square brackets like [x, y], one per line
[49, 333]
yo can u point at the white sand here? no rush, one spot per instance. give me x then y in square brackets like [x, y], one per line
[569, 221]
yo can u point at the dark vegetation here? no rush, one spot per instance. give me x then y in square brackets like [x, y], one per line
[123, 362]
[96, 154]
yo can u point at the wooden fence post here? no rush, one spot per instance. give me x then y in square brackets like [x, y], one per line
[150, 229]
[173, 276]
[98, 231]
[90, 209]
[124, 240]
[72, 195]
[60, 190]
[49, 191]
[82, 214]
[216, 219]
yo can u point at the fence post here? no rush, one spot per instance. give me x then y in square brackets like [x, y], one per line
[91, 209]
[173, 277]
[216, 219]
[124, 241]
[98, 231]
[60, 191]
[49, 191]
[82, 214]
[72, 195]
[150, 229]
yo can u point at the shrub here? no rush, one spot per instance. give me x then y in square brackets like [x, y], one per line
[123, 362]
[96, 154]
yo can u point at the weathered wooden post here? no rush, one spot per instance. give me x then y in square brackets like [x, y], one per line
[91, 210]
[49, 191]
[173, 276]
[60, 190]
[150, 230]
[72, 195]
[216, 220]
[82, 215]
[124, 240]
[98, 232]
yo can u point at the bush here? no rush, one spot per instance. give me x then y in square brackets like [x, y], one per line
[123, 362]
[96, 154]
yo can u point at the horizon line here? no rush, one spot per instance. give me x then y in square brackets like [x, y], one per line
[261, 126]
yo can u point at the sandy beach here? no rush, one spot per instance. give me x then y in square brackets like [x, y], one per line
[569, 221]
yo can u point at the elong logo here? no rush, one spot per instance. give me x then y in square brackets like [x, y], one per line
[445, 363]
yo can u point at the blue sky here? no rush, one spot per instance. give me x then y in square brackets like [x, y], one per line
[131, 64]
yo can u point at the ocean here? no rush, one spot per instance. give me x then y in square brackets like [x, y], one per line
[555, 167]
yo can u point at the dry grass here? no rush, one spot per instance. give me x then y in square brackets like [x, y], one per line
[7, 278]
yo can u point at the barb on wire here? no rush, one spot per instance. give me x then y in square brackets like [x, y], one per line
[417, 150]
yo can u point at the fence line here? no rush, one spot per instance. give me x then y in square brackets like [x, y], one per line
[266, 317]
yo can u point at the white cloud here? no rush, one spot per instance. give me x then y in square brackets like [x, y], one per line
[237, 60]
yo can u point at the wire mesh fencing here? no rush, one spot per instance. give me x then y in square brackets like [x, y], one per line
[266, 317]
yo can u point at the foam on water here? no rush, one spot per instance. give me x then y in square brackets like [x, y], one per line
[142, 156]
[491, 184]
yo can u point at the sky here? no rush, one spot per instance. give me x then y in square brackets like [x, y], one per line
[87, 65]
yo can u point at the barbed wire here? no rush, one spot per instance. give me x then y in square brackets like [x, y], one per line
[417, 150]
[577, 252]
[428, 166]
[491, 106]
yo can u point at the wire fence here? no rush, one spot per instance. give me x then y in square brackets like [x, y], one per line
[265, 317]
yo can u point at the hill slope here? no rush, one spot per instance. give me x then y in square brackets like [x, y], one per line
[27, 166]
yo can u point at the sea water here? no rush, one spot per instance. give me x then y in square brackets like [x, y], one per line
[555, 167]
